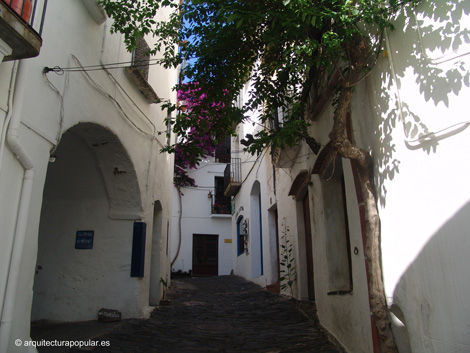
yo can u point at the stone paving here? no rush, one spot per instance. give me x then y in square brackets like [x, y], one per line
[221, 314]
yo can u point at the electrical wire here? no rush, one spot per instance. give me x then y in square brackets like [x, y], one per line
[198, 187]
[255, 162]
[62, 109]
[111, 66]
[106, 67]
[117, 104]
[207, 165]
[116, 82]
[261, 160]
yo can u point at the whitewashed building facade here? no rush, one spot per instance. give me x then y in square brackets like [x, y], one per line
[85, 196]
[411, 112]
[201, 223]
[251, 182]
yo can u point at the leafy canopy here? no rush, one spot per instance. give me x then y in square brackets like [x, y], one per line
[280, 45]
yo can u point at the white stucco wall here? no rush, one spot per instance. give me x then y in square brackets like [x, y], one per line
[418, 86]
[345, 316]
[422, 82]
[197, 219]
[257, 179]
[71, 38]
[11, 176]
[424, 192]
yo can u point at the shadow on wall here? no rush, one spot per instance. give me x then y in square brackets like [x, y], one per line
[431, 298]
[433, 26]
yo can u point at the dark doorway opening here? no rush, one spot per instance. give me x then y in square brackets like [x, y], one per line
[308, 246]
[205, 255]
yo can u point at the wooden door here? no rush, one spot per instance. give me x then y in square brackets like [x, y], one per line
[205, 255]
[308, 247]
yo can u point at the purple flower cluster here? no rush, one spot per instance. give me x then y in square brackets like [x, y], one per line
[200, 115]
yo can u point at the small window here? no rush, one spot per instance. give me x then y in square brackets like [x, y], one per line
[140, 57]
[138, 72]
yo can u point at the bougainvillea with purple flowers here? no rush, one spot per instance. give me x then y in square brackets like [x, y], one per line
[197, 127]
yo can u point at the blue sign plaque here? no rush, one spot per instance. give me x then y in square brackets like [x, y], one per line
[84, 239]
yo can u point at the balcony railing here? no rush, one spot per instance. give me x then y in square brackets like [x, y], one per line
[21, 25]
[223, 206]
[232, 177]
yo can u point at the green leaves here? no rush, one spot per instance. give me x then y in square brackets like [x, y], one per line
[136, 18]
[275, 44]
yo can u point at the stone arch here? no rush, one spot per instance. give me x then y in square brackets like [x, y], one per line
[91, 201]
[117, 169]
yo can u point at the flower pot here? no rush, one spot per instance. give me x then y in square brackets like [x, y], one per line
[22, 8]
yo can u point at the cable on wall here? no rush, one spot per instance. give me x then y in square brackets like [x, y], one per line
[61, 112]
[118, 105]
[86, 68]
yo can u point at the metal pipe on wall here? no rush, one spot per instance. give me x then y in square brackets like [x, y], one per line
[13, 140]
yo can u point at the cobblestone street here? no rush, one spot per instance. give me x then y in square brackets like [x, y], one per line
[220, 314]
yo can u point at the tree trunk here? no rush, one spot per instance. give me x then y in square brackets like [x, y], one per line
[346, 149]
[359, 52]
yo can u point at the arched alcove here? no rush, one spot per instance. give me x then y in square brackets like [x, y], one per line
[117, 169]
[90, 202]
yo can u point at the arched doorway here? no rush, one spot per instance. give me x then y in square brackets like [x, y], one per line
[299, 189]
[256, 230]
[90, 202]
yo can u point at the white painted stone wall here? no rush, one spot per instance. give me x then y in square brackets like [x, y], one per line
[256, 172]
[196, 218]
[71, 38]
[423, 84]
[345, 316]
[423, 79]
[419, 86]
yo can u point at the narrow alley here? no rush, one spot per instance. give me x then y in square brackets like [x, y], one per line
[214, 314]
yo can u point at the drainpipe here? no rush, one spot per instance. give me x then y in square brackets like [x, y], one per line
[179, 225]
[11, 90]
[23, 209]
